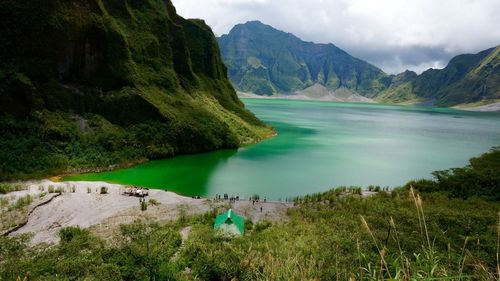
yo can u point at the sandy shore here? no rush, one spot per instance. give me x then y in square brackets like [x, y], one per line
[81, 204]
[493, 107]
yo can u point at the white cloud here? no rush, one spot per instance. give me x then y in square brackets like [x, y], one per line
[392, 34]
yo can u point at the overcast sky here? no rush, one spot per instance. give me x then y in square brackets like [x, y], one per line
[394, 35]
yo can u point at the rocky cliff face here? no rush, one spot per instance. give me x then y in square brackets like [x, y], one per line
[95, 83]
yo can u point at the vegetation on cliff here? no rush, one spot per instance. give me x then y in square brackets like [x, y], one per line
[106, 82]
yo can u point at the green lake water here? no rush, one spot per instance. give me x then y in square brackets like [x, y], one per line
[321, 145]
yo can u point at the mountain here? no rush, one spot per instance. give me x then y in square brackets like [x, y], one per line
[400, 89]
[88, 85]
[266, 61]
[467, 79]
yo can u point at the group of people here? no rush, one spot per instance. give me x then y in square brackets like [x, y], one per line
[258, 200]
[226, 197]
[233, 199]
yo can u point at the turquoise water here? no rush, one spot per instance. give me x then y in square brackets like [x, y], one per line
[321, 145]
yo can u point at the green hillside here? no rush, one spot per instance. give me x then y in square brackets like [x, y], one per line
[466, 79]
[88, 85]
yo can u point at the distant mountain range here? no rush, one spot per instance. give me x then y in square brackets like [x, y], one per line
[265, 61]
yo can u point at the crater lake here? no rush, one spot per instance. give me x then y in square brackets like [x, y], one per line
[321, 145]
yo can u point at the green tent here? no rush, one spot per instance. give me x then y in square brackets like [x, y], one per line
[230, 223]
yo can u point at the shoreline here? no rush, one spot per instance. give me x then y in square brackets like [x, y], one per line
[81, 204]
[492, 107]
[130, 164]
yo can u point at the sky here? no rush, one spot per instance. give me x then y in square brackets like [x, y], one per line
[394, 35]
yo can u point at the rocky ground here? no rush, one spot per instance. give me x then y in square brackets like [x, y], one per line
[82, 204]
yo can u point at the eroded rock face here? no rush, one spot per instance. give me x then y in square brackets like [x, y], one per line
[83, 57]
[148, 81]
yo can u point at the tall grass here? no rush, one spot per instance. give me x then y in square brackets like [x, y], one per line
[339, 237]
[4, 202]
[498, 247]
[428, 264]
[6, 187]
[21, 202]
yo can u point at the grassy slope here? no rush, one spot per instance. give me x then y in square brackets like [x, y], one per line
[400, 91]
[481, 83]
[467, 79]
[439, 234]
[104, 83]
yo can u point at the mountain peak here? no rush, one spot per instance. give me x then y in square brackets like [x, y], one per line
[265, 60]
[254, 22]
[255, 25]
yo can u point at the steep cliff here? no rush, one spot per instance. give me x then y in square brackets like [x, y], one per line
[100, 83]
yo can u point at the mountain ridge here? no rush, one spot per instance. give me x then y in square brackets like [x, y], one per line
[255, 53]
[289, 64]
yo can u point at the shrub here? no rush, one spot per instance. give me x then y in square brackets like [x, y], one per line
[4, 202]
[480, 178]
[69, 233]
[182, 213]
[104, 190]
[6, 188]
[356, 190]
[248, 225]
[153, 202]
[262, 225]
[21, 202]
